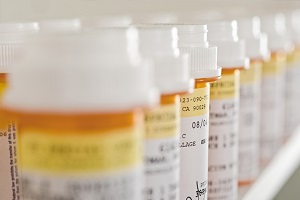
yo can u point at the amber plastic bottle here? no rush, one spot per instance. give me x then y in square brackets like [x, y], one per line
[80, 130]
[195, 111]
[11, 40]
[224, 112]
[249, 29]
[162, 123]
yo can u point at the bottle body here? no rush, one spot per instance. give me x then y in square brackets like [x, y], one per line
[194, 142]
[80, 156]
[161, 150]
[223, 136]
[272, 104]
[9, 173]
[249, 123]
[292, 93]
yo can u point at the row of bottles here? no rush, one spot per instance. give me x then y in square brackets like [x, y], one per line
[109, 108]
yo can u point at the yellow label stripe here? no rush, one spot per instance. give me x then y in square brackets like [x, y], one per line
[75, 154]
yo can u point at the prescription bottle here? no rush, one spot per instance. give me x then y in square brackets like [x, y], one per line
[78, 110]
[273, 87]
[250, 99]
[224, 111]
[292, 93]
[172, 78]
[11, 41]
[195, 111]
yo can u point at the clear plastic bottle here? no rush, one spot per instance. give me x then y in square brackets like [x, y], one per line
[224, 111]
[11, 40]
[250, 99]
[195, 111]
[77, 101]
[162, 124]
[273, 87]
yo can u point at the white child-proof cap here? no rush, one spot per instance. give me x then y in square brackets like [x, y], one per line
[172, 73]
[293, 26]
[256, 41]
[231, 50]
[274, 25]
[75, 73]
[11, 39]
[60, 26]
[192, 39]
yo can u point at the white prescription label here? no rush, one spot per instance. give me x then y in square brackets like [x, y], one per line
[223, 139]
[77, 165]
[272, 113]
[292, 97]
[10, 188]
[249, 123]
[194, 144]
[161, 156]
[111, 186]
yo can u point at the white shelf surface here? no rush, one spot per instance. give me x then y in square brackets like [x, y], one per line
[278, 172]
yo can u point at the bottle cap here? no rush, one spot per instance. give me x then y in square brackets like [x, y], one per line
[231, 50]
[70, 73]
[171, 69]
[274, 25]
[293, 26]
[60, 26]
[256, 41]
[12, 36]
[203, 57]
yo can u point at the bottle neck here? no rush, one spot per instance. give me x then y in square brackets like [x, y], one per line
[169, 99]
[82, 122]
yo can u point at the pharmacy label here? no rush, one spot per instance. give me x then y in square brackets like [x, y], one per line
[194, 145]
[249, 123]
[226, 87]
[81, 165]
[161, 156]
[162, 122]
[223, 139]
[196, 103]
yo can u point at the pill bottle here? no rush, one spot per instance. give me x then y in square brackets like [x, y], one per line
[195, 111]
[224, 111]
[292, 92]
[11, 40]
[273, 87]
[77, 101]
[250, 99]
[172, 78]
